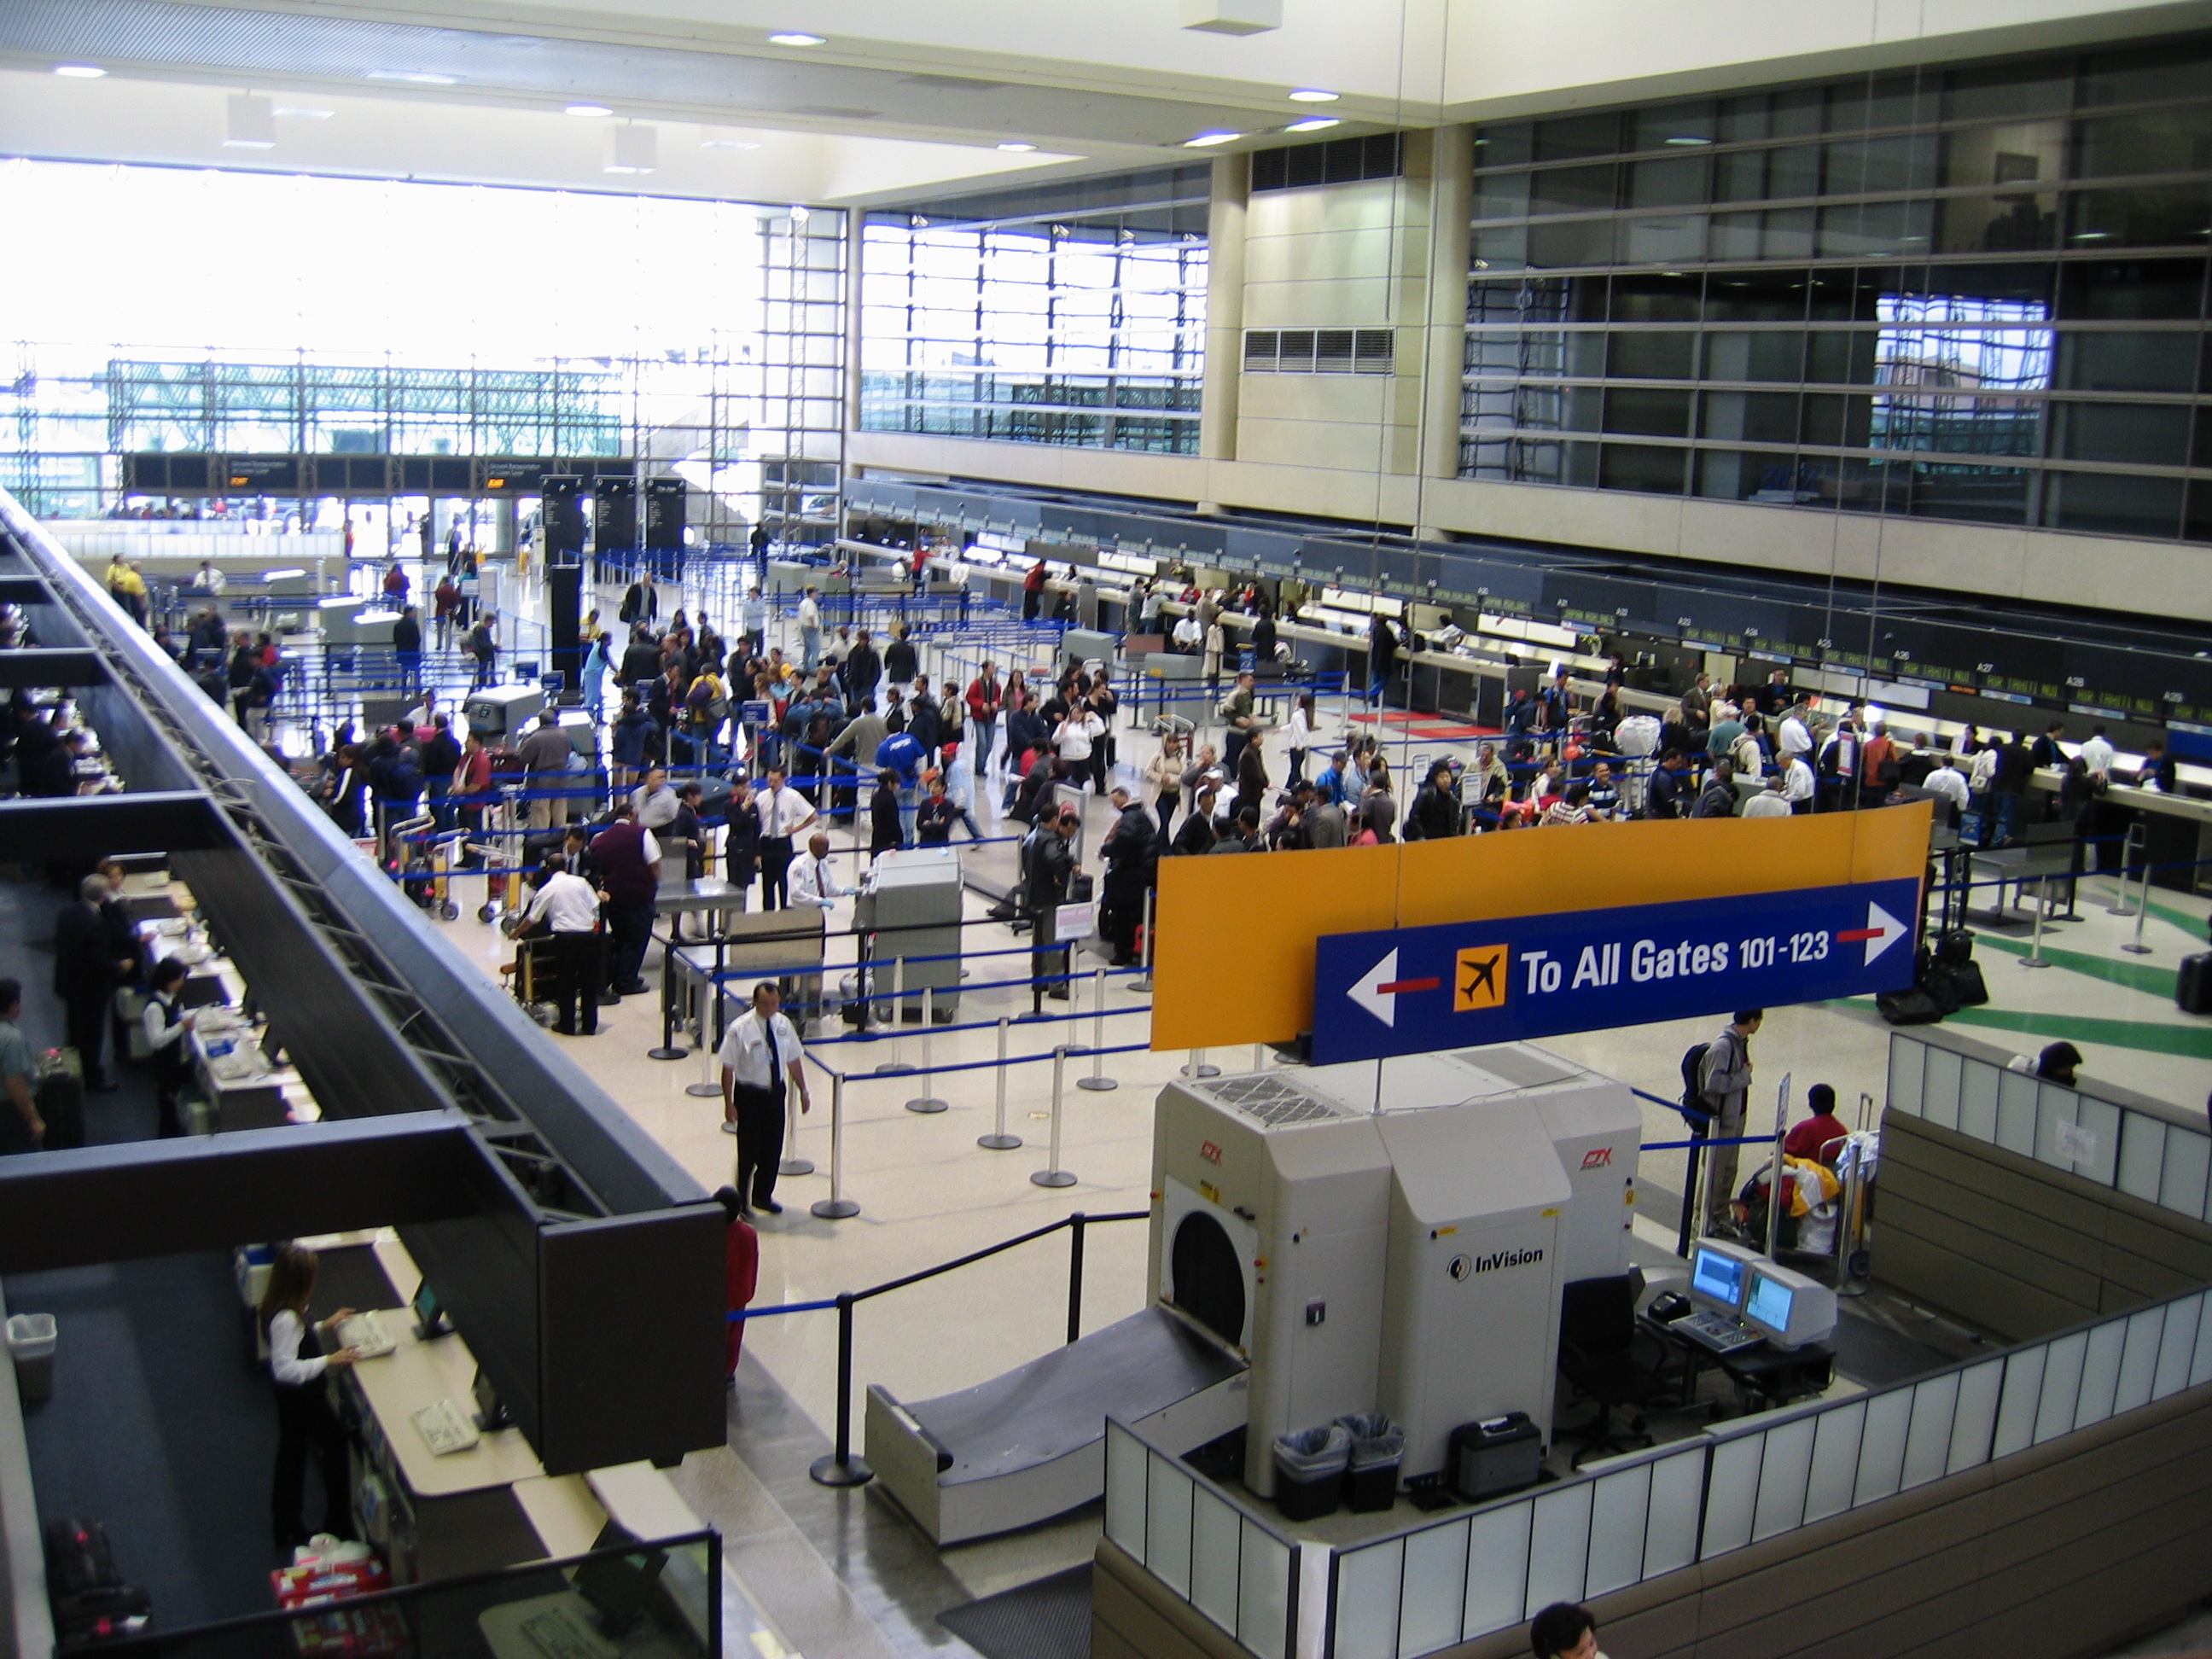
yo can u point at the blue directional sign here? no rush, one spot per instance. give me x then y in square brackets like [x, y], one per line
[1413, 990]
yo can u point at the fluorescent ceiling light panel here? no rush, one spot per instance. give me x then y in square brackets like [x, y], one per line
[1233, 16]
[1313, 96]
[1017, 148]
[1207, 140]
[1314, 125]
[414, 77]
[80, 71]
[251, 123]
[285, 111]
[591, 112]
[794, 38]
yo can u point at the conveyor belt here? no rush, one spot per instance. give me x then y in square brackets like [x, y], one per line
[1029, 1444]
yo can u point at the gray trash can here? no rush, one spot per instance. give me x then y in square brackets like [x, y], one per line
[31, 1345]
[1378, 1447]
[1309, 1472]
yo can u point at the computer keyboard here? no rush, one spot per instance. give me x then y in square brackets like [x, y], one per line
[1717, 1331]
[364, 1333]
[446, 1427]
[564, 1633]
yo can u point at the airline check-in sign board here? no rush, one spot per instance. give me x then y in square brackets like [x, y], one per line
[1414, 990]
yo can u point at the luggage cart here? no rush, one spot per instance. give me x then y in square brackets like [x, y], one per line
[426, 873]
[499, 856]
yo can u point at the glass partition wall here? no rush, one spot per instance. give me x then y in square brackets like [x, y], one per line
[1971, 293]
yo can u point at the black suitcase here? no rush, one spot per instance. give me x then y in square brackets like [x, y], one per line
[2192, 985]
[1955, 948]
[91, 1603]
[1497, 1454]
[108, 1614]
[61, 1106]
[78, 1557]
[1957, 985]
[1911, 1008]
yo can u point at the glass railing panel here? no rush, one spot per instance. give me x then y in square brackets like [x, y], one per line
[1974, 1421]
[1882, 1446]
[1367, 1601]
[1558, 1550]
[1783, 1472]
[1434, 1589]
[1167, 1523]
[1619, 1515]
[2021, 1400]
[1731, 1493]
[1835, 1466]
[1263, 1591]
[2062, 1386]
[1126, 1458]
[1215, 1556]
[1497, 1569]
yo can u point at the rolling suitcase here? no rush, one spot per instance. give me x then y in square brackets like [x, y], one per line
[60, 1096]
[2192, 984]
[91, 1603]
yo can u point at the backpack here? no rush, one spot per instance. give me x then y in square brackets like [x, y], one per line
[1693, 1066]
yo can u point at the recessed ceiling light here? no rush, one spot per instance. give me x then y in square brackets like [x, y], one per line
[1686, 138]
[594, 110]
[1207, 140]
[1017, 148]
[304, 114]
[80, 71]
[794, 37]
[1314, 125]
[414, 78]
[1313, 96]
[727, 143]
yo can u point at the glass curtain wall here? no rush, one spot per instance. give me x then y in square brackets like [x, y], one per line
[184, 312]
[1064, 314]
[1972, 293]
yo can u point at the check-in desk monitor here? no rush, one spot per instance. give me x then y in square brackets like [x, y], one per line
[1787, 1308]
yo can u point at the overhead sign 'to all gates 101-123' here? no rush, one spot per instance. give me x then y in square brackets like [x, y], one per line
[1413, 990]
[1413, 947]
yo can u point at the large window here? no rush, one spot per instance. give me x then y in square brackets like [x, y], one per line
[1063, 315]
[157, 309]
[1971, 293]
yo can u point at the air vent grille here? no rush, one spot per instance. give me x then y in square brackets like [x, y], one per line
[1319, 351]
[1272, 1101]
[1331, 161]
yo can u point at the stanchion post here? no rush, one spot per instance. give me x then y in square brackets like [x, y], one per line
[1055, 1176]
[929, 1100]
[836, 1206]
[667, 1050]
[2130, 852]
[1195, 1068]
[2034, 958]
[2135, 947]
[841, 1467]
[1075, 1276]
[999, 1140]
[1097, 1082]
[1143, 982]
[897, 1064]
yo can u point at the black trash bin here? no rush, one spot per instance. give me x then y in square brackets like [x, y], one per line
[1378, 1447]
[1309, 1472]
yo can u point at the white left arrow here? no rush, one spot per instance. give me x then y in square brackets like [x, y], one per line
[1369, 994]
[1883, 930]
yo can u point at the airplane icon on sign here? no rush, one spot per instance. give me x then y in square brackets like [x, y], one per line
[1480, 981]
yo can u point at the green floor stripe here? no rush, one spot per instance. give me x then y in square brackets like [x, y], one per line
[2135, 975]
[2192, 1042]
[2192, 926]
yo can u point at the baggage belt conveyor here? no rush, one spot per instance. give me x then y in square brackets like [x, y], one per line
[1031, 1444]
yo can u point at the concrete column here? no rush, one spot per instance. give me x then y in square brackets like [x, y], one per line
[1225, 307]
[855, 221]
[1451, 206]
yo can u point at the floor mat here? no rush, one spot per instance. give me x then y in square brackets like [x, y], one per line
[1047, 1619]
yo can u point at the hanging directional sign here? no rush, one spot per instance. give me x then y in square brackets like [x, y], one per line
[1413, 990]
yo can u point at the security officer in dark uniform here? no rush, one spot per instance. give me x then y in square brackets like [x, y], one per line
[169, 1028]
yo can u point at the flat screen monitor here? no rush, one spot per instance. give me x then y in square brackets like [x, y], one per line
[430, 1318]
[1787, 1308]
[1719, 1276]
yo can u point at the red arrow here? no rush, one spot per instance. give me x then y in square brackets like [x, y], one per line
[1851, 935]
[1398, 985]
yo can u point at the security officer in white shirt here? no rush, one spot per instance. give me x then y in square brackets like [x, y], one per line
[569, 906]
[813, 881]
[2097, 753]
[762, 1060]
[783, 813]
[1794, 738]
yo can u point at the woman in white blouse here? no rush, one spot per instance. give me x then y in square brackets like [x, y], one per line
[296, 1367]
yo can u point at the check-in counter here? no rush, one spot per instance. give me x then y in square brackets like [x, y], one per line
[2176, 829]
